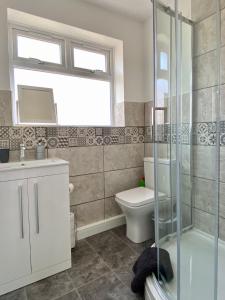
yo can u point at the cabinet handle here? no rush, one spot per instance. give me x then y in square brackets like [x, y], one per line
[20, 192]
[37, 207]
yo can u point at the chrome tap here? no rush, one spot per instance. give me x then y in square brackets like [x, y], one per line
[22, 152]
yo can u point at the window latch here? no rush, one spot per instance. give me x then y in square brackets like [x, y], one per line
[96, 71]
[36, 60]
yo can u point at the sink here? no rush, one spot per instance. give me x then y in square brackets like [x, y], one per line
[31, 164]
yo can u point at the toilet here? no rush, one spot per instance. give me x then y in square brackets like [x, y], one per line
[138, 204]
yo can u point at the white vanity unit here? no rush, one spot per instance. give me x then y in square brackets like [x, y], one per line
[34, 221]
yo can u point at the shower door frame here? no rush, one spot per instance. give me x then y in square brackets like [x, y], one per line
[178, 42]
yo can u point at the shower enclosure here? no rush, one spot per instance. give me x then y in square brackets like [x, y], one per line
[189, 130]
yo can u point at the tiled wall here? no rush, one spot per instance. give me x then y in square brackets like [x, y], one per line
[204, 116]
[5, 108]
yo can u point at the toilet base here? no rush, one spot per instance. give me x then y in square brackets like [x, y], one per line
[140, 230]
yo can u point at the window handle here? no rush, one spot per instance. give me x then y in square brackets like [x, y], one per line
[38, 61]
[96, 71]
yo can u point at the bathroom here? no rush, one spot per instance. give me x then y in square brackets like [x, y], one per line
[111, 144]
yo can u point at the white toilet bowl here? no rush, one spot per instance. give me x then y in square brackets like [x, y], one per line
[138, 207]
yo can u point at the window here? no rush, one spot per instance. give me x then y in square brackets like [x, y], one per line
[31, 48]
[89, 60]
[78, 73]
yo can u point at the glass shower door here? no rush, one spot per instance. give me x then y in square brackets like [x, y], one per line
[186, 136]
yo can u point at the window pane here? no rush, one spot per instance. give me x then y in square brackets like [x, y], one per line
[89, 60]
[42, 50]
[80, 101]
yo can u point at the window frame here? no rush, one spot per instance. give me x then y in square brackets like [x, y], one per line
[32, 62]
[89, 48]
[67, 58]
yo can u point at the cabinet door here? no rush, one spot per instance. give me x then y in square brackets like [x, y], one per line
[14, 231]
[49, 220]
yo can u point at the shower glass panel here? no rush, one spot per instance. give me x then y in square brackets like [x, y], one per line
[186, 132]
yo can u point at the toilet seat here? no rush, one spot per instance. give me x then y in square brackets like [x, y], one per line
[136, 197]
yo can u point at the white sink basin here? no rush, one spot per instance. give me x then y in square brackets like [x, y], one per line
[31, 164]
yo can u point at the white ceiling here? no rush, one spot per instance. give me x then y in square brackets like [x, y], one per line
[138, 9]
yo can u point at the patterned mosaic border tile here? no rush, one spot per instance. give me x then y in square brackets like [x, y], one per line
[64, 137]
[204, 134]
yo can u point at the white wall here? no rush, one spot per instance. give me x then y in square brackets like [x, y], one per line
[148, 60]
[89, 17]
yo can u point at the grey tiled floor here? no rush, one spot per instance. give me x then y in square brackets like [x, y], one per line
[101, 270]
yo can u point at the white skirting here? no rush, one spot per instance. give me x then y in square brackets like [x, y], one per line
[98, 227]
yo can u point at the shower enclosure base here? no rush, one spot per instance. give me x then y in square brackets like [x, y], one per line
[197, 269]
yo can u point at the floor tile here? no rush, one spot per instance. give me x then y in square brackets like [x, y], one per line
[125, 275]
[106, 242]
[50, 288]
[108, 287]
[121, 233]
[15, 295]
[126, 257]
[82, 253]
[71, 296]
[93, 268]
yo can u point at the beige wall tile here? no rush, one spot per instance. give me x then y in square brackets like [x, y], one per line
[134, 113]
[111, 208]
[222, 228]
[205, 70]
[148, 150]
[204, 105]
[186, 215]
[163, 150]
[222, 163]
[118, 181]
[123, 156]
[202, 8]
[204, 191]
[204, 195]
[206, 223]
[14, 155]
[222, 103]
[205, 35]
[186, 108]
[222, 26]
[87, 188]
[5, 108]
[222, 200]
[82, 160]
[204, 161]
[88, 213]
[203, 221]
[222, 64]
[148, 113]
[186, 186]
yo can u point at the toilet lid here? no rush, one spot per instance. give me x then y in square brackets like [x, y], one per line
[138, 196]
